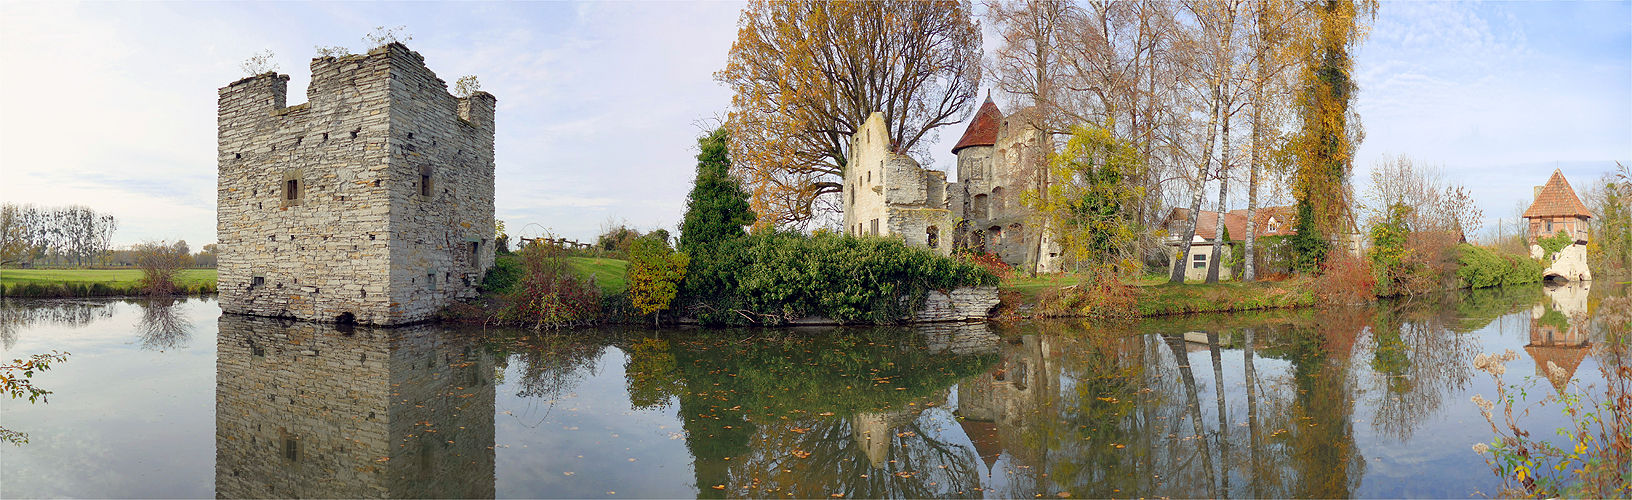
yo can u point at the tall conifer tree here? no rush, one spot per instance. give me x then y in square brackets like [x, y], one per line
[717, 208]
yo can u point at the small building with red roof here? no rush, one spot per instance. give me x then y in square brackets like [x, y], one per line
[1557, 210]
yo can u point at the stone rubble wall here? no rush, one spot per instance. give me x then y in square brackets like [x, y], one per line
[961, 304]
[358, 237]
[354, 407]
[1569, 263]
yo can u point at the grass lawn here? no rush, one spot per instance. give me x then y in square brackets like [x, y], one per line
[187, 277]
[1157, 297]
[608, 273]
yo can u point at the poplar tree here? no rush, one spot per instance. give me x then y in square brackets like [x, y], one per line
[717, 208]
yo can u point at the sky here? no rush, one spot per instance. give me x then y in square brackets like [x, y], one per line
[112, 105]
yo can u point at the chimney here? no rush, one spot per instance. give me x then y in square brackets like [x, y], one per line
[1535, 194]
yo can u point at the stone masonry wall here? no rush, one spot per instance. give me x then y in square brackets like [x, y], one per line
[306, 411]
[320, 206]
[893, 192]
[961, 304]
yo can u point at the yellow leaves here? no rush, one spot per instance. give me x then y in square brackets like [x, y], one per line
[801, 453]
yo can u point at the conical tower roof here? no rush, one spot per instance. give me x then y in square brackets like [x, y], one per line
[1557, 199]
[982, 130]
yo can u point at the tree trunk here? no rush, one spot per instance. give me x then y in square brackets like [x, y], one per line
[1196, 187]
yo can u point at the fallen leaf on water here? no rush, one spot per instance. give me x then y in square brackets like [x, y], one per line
[825, 414]
[801, 453]
[800, 430]
[567, 473]
[719, 486]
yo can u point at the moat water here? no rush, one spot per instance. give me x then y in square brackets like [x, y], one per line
[175, 399]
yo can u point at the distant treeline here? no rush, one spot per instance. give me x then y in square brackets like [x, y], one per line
[66, 235]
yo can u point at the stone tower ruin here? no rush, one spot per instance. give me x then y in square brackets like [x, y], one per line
[371, 203]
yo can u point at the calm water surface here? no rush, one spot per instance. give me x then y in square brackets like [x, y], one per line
[175, 399]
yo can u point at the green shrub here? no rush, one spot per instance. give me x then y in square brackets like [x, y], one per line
[504, 274]
[1552, 244]
[1482, 267]
[776, 277]
[548, 294]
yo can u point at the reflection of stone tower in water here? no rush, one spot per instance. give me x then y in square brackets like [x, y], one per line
[1558, 332]
[370, 203]
[303, 411]
[999, 406]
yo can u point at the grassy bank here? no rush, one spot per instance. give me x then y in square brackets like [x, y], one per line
[1153, 296]
[57, 283]
[608, 273]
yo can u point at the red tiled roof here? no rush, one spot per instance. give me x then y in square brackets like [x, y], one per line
[1557, 199]
[1207, 224]
[982, 129]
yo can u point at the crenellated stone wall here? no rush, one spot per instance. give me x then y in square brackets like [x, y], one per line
[306, 411]
[373, 199]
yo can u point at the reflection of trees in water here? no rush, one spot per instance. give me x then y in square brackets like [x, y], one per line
[163, 326]
[551, 366]
[891, 455]
[1133, 415]
[814, 414]
[17, 315]
[1416, 360]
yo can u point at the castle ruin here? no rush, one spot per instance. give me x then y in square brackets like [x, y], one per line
[999, 159]
[371, 203]
[886, 193]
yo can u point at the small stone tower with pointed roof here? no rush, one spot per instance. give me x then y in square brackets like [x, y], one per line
[1000, 158]
[371, 203]
[1557, 210]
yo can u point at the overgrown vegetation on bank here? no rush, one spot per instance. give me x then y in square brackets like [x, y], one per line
[777, 277]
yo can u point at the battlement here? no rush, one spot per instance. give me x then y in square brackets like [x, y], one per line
[372, 201]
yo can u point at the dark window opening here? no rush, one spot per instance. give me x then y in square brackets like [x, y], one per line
[291, 450]
[292, 189]
[257, 282]
[932, 236]
[475, 254]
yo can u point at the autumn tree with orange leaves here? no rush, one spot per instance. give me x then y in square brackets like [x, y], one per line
[806, 75]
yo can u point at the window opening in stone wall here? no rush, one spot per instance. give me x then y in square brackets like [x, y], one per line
[430, 280]
[995, 235]
[874, 225]
[293, 188]
[980, 206]
[997, 198]
[475, 253]
[291, 449]
[932, 236]
[425, 182]
[257, 282]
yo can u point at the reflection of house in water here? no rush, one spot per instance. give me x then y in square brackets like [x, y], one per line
[304, 411]
[1558, 332]
[994, 407]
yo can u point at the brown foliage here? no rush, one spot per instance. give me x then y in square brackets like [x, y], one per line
[806, 75]
[1101, 295]
[1345, 279]
[159, 262]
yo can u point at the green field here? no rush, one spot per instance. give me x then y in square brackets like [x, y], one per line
[608, 273]
[191, 278]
